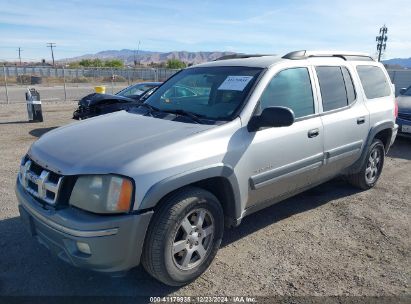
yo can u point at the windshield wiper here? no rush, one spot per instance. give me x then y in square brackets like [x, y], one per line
[194, 117]
[149, 107]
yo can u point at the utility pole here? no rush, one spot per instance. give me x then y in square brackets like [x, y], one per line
[51, 45]
[20, 54]
[382, 41]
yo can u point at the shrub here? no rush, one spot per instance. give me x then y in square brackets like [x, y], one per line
[23, 79]
[80, 79]
[175, 64]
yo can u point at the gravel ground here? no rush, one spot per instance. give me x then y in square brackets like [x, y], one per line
[331, 240]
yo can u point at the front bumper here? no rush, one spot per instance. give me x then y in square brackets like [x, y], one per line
[83, 112]
[115, 241]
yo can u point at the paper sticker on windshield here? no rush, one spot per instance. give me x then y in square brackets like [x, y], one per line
[235, 83]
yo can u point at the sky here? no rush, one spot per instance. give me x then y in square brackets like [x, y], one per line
[268, 27]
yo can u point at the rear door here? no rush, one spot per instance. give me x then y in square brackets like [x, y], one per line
[279, 161]
[344, 116]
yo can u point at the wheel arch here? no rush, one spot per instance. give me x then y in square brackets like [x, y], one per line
[382, 131]
[220, 180]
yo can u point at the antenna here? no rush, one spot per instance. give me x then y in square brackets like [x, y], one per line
[382, 41]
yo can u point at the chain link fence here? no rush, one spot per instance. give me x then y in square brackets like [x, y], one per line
[62, 84]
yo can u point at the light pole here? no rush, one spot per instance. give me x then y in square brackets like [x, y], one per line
[135, 57]
[20, 54]
[382, 41]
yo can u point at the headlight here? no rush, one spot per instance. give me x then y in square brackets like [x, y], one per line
[102, 193]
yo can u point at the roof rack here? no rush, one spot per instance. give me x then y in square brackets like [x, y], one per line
[239, 56]
[345, 55]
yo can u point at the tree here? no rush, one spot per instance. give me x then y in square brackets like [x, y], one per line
[114, 63]
[175, 64]
[91, 63]
[97, 63]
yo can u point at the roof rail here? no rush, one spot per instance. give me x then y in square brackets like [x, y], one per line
[345, 55]
[239, 56]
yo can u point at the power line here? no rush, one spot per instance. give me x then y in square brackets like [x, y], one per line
[51, 45]
[382, 41]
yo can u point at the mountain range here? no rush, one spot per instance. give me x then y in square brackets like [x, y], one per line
[147, 57]
[400, 62]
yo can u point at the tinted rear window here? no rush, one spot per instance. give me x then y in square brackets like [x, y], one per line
[332, 87]
[373, 81]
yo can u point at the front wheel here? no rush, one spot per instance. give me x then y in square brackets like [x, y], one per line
[184, 236]
[371, 170]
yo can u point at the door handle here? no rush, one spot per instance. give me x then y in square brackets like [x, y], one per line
[313, 133]
[360, 120]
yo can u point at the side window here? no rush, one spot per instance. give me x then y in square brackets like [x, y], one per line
[349, 86]
[332, 86]
[373, 81]
[290, 88]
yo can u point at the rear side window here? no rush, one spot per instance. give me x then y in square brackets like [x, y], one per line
[373, 81]
[332, 85]
[290, 88]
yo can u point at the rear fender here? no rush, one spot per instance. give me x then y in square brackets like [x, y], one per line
[356, 167]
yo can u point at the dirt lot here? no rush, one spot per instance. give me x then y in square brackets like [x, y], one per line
[332, 240]
[55, 92]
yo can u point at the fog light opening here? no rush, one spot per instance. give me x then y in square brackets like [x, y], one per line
[83, 247]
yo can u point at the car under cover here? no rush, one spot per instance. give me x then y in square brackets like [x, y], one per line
[97, 98]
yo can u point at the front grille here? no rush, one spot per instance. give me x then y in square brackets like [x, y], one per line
[39, 182]
[406, 116]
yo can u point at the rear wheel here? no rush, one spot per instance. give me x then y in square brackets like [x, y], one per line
[371, 170]
[184, 237]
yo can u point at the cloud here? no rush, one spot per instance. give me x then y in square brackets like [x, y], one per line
[80, 27]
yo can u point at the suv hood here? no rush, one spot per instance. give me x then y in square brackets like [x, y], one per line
[106, 144]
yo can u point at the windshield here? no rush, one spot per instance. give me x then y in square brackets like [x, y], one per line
[214, 93]
[407, 92]
[135, 90]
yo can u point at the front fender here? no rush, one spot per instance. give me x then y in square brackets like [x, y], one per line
[167, 185]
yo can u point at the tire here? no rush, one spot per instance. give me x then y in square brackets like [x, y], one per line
[366, 179]
[177, 249]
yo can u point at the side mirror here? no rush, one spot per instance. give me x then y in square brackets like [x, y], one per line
[272, 117]
[403, 90]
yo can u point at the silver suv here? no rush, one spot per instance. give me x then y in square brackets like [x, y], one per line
[214, 143]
